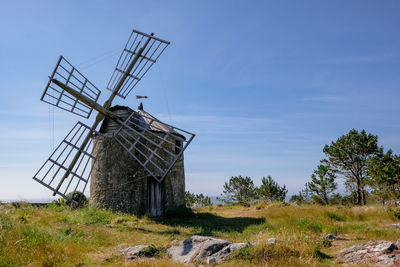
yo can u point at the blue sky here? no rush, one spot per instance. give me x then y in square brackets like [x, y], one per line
[263, 84]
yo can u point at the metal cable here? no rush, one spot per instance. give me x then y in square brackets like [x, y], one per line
[99, 58]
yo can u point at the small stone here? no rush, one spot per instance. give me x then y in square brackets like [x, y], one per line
[330, 236]
[272, 241]
[396, 225]
[211, 261]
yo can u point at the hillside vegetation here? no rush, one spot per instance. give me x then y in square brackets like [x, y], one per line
[58, 236]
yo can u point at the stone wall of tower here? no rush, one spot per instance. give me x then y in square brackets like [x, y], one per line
[117, 181]
[120, 183]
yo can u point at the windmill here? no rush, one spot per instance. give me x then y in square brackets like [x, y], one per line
[69, 167]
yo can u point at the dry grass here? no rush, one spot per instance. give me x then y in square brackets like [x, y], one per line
[58, 236]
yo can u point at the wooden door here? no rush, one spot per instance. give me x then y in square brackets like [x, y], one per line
[155, 198]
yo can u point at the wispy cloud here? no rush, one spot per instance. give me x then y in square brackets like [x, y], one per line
[362, 59]
[322, 98]
[223, 125]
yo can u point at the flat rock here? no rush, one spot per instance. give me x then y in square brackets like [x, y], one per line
[203, 248]
[380, 252]
[133, 252]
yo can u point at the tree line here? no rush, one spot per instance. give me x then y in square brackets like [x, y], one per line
[241, 190]
[366, 170]
[368, 173]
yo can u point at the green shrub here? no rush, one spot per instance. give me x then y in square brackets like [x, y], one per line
[396, 213]
[78, 199]
[151, 251]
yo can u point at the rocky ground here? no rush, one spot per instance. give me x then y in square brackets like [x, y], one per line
[379, 253]
[195, 249]
[210, 250]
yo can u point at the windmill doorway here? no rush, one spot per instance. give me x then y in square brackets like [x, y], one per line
[155, 197]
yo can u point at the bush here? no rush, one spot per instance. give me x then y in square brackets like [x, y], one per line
[151, 251]
[76, 199]
[395, 213]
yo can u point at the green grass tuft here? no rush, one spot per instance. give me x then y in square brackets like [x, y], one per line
[96, 216]
[309, 225]
[5, 222]
[33, 236]
[335, 216]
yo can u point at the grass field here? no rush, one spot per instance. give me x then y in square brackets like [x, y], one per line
[58, 236]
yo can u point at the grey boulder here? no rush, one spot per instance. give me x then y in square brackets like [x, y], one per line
[203, 248]
[380, 253]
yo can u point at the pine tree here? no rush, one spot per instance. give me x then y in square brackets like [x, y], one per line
[349, 156]
[239, 190]
[271, 191]
[322, 184]
[384, 170]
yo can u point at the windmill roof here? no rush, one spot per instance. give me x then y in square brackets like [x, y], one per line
[140, 120]
[148, 120]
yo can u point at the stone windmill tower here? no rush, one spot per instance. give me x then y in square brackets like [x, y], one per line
[135, 161]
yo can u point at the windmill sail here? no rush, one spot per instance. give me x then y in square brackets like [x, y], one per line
[67, 74]
[152, 49]
[154, 144]
[56, 165]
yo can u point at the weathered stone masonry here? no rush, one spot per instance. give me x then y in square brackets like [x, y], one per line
[120, 183]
